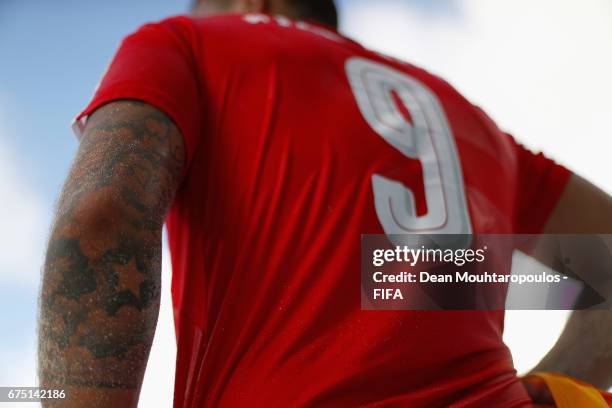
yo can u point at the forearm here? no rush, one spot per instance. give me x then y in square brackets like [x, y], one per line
[98, 311]
[101, 279]
[584, 350]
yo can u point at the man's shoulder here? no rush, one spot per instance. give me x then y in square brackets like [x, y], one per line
[238, 35]
[228, 25]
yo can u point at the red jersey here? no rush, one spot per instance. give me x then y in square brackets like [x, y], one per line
[298, 141]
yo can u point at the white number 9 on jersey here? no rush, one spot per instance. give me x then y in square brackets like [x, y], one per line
[428, 139]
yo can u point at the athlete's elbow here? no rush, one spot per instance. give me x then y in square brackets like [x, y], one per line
[108, 217]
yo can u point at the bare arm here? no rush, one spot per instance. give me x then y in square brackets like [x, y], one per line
[584, 349]
[101, 281]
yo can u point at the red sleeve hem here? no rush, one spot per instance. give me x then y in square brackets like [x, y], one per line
[150, 96]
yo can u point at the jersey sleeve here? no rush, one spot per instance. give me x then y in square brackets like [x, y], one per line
[540, 182]
[156, 65]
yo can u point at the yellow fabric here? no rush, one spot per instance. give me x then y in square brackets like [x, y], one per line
[569, 393]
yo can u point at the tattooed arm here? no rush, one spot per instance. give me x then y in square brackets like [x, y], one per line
[101, 283]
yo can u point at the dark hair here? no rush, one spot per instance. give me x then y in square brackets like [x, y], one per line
[321, 11]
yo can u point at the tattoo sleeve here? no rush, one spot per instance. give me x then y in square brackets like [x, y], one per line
[101, 281]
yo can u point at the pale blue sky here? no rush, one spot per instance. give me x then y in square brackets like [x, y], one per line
[53, 54]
